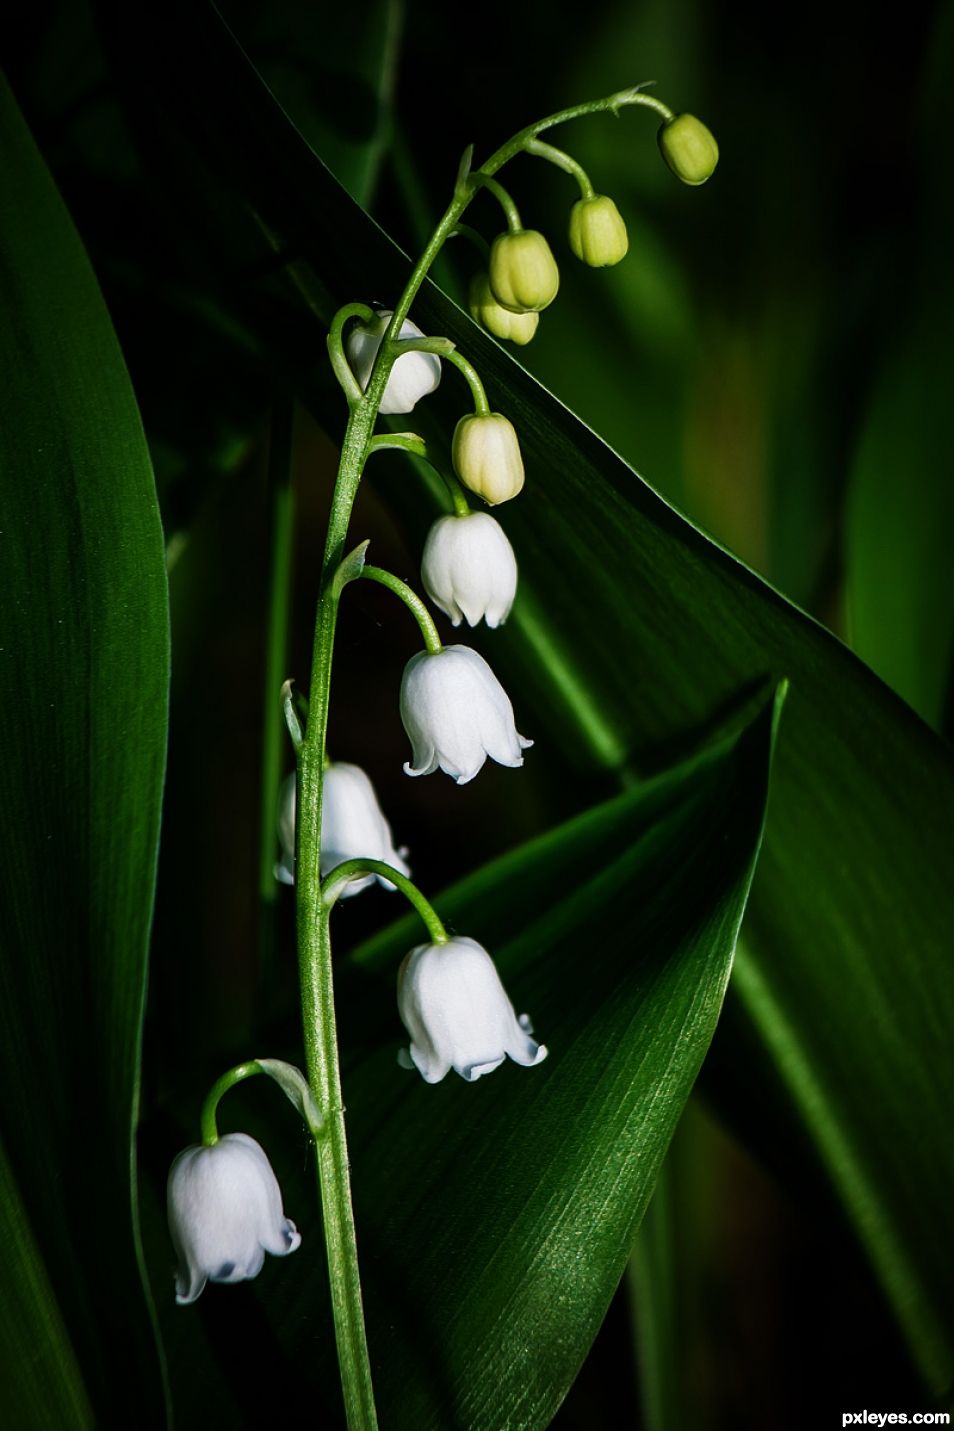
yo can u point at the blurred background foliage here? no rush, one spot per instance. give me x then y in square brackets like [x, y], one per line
[773, 357]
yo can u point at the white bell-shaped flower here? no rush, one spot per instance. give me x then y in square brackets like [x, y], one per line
[469, 569]
[455, 1008]
[353, 827]
[456, 713]
[413, 375]
[225, 1213]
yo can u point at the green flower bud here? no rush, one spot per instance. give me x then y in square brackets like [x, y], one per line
[597, 232]
[486, 456]
[523, 273]
[484, 308]
[688, 148]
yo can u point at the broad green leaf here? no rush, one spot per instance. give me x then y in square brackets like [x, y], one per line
[635, 630]
[83, 680]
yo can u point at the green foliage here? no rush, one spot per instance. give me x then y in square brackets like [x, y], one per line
[83, 683]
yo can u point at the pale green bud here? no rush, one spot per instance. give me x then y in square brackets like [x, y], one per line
[523, 273]
[597, 232]
[486, 456]
[688, 148]
[484, 308]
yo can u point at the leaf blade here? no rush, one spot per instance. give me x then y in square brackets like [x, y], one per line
[83, 684]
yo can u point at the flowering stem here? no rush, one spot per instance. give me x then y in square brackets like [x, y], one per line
[314, 939]
[413, 603]
[221, 1086]
[314, 947]
[336, 882]
[563, 161]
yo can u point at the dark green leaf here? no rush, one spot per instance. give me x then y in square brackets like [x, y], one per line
[83, 680]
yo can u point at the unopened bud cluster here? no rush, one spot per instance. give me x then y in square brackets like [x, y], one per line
[523, 277]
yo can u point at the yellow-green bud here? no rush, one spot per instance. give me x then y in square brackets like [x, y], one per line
[688, 148]
[484, 308]
[486, 456]
[597, 232]
[523, 273]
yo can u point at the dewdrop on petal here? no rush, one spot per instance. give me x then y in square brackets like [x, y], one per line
[502, 322]
[597, 232]
[456, 713]
[225, 1212]
[486, 456]
[688, 148]
[469, 569]
[523, 272]
[413, 375]
[458, 1015]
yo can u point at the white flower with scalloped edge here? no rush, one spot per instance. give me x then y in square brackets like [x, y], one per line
[413, 375]
[225, 1213]
[469, 569]
[353, 827]
[456, 713]
[455, 1008]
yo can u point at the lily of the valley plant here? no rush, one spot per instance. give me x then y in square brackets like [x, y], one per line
[225, 1207]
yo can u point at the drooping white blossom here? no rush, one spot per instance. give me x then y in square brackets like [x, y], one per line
[413, 375]
[353, 826]
[456, 713]
[225, 1212]
[458, 1015]
[469, 569]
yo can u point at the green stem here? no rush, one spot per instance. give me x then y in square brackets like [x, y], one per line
[457, 496]
[314, 940]
[481, 405]
[563, 161]
[474, 237]
[336, 352]
[342, 875]
[276, 658]
[409, 442]
[510, 209]
[221, 1086]
[413, 603]
[314, 945]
